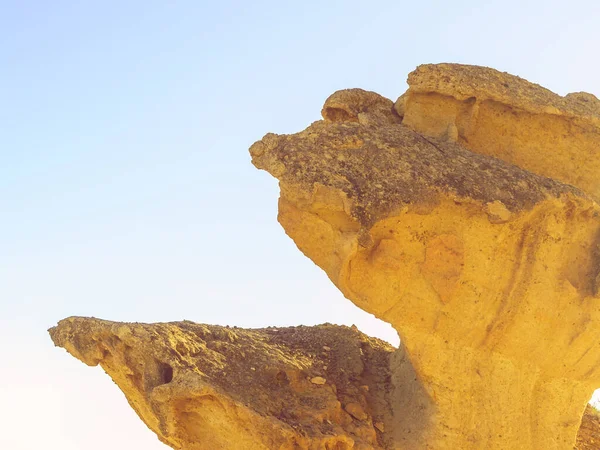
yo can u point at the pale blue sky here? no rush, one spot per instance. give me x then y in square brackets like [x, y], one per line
[126, 189]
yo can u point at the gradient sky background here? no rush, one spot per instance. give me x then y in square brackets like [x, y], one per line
[126, 189]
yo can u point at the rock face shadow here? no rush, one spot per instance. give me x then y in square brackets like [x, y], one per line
[412, 408]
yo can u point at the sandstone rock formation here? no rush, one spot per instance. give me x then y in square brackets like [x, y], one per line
[502, 115]
[465, 215]
[488, 271]
[203, 387]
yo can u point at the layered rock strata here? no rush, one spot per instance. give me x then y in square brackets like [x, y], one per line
[505, 116]
[489, 272]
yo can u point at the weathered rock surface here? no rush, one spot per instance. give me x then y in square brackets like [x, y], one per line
[209, 387]
[505, 116]
[489, 272]
[588, 437]
[464, 215]
[203, 387]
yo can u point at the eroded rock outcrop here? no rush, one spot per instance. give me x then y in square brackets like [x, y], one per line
[488, 271]
[505, 116]
[464, 214]
[203, 387]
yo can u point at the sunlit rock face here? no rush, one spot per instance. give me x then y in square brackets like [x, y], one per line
[488, 270]
[465, 215]
[206, 387]
[502, 115]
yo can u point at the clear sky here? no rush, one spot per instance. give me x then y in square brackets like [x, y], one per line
[126, 189]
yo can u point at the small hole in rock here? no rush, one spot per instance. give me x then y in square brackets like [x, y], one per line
[282, 378]
[166, 373]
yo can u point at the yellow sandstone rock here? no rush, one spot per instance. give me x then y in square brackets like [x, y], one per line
[318, 380]
[202, 387]
[464, 215]
[505, 116]
[209, 387]
[488, 271]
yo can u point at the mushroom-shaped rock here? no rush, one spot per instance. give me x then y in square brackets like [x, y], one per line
[505, 116]
[488, 272]
[203, 387]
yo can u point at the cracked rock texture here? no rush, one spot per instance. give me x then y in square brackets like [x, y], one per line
[465, 215]
[488, 271]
